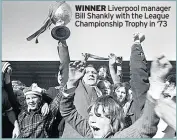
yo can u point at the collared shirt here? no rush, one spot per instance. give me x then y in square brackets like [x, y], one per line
[34, 125]
[98, 91]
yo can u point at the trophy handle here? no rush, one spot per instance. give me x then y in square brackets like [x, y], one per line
[118, 59]
[40, 31]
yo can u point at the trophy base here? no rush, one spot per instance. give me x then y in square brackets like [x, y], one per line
[60, 33]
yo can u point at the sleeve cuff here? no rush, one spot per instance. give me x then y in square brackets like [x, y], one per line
[70, 91]
[156, 88]
[10, 109]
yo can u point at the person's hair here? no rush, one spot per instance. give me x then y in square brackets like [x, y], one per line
[107, 71]
[19, 84]
[20, 97]
[126, 85]
[90, 65]
[172, 79]
[103, 82]
[111, 109]
[103, 66]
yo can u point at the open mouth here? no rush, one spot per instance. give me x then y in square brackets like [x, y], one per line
[32, 105]
[119, 97]
[91, 79]
[106, 91]
[95, 128]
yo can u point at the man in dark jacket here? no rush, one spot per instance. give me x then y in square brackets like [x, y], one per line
[10, 107]
[58, 125]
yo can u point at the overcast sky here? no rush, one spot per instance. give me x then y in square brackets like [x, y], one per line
[22, 18]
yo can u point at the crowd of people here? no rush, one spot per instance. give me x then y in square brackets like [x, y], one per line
[93, 103]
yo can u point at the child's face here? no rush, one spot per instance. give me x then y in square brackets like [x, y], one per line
[100, 125]
[33, 101]
[105, 88]
[121, 94]
[102, 73]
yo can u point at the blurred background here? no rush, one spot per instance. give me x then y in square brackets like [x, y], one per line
[44, 73]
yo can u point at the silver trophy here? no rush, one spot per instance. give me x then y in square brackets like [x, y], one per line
[59, 15]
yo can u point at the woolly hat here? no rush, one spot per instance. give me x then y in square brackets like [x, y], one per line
[33, 89]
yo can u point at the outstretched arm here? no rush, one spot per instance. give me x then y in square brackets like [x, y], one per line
[71, 115]
[116, 77]
[67, 108]
[168, 116]
[139, 78]
[146, 125]
[63, 53]
[11, 95]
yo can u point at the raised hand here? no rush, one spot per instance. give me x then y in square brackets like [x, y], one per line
[160, 67]
[166, 109]
[76, 72]
[62, 42]
[16, 130]
[112, 59]
[9, 70]
[45, 109]
[85, 56]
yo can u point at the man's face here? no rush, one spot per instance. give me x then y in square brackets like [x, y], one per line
[100, 125]
[90, 77]
[170, 91]
[121, 94]
[102, 73]
[33, 101]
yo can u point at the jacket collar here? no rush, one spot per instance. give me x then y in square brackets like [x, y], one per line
[108, 135]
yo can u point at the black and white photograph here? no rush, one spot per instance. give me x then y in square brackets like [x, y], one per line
[88, 69]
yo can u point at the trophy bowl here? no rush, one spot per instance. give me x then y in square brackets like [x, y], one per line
[61, 17]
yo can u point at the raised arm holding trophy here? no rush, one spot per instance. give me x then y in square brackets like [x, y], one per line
[59, 15]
